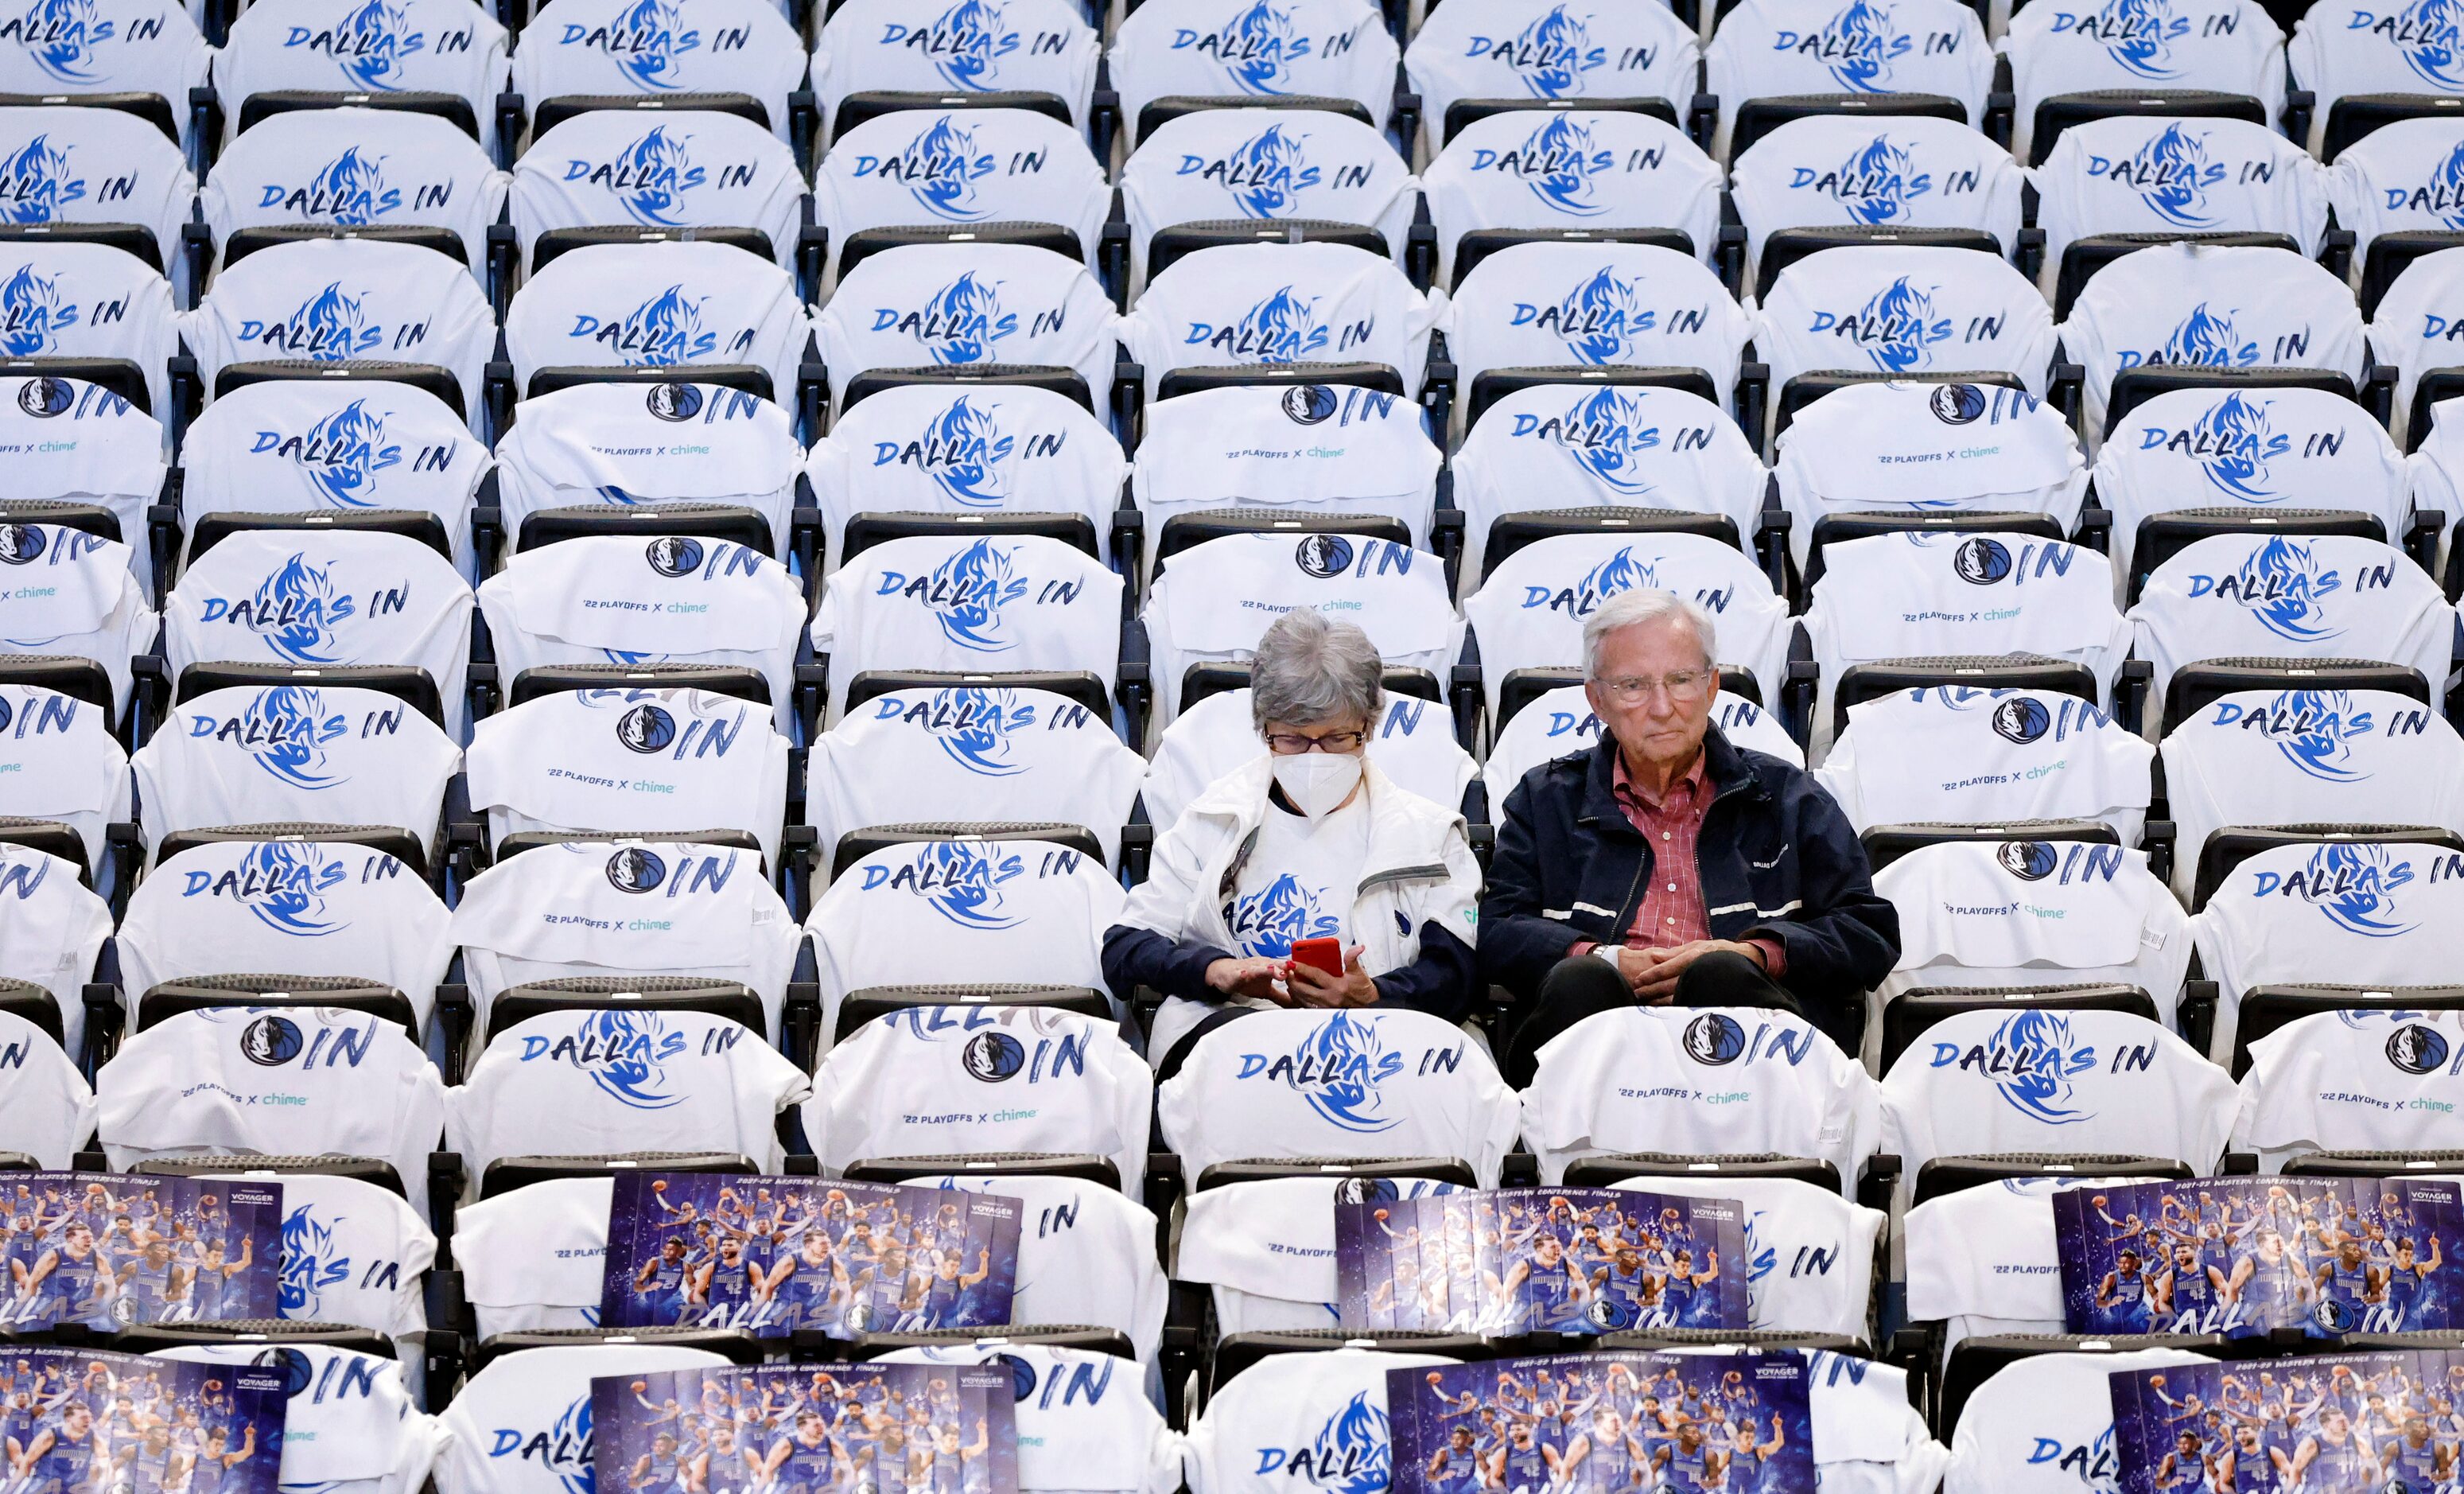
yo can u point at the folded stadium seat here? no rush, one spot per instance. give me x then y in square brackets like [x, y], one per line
[605, 610]
[2388, 189]
[664, 304]
[1787, 48]
[1227, 51]
[2412, 330]
[88, 171]
[146, 66]
[2047, 1414]
[1260, 1235]
[361, 1429]
[2211, 46]
[2226, 307]
[885, 56]
[1911, 311]
[948, 912]
[1214, 174]
[1204, 609]
[2362, 76]
[736, 48]
[284, 55]
[924, 175]
[356, 168]
[630, 758]
[1560, 722]
[599, 1084]
[539, 1398]
[927, 306]
[2325, 596]
[2295, 1101]
[949, 601]
[1413, 741]
[1240, 306]
[61, 765]
[988, 747]
[2114, 179]
[1076, 1089]
[77, 600]
[1966, 756]
[298, 910]
[103, 307]
[2245, 459]
[335, 596]
[1293, 1085]
[284, 748]
[49, 1112]
[534, 1257]
[353, 1085]
[119, 471]
[682, 169]
[1303, 1394]
[1086, 1254]
[960, 452]
[559, 911]
[1914, 171]
[1529, 609]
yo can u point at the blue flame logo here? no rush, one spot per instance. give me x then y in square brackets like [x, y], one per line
[967, 593]
[2431, 32]
[2315, 730]
[2206, 339]
[977, 728]
[940, 167]
[1857, 46]
[1338, 1070]
[35, 183]
[1259, 48]
[61, 37]
[968, 43]
[31, 314]
[2234, 442]
[330, 326]
[647, 41]
[2032, 1059]
[353, 187]
[1270, 921]
[2284, 584]
[1898, 328]
[965, 450]
[311, 1264]
[284, 883]
[2172, 173]
[961, 323]
[665, 329]
[1876, 183]
[294, 613]
[1619, 572]
[625, 1054]
[1352, 1455]
[963, 879]
[2354, 885]
[1281, 329]
[284, 730]
[1552, 53]
[1558, 163]
[1602, 433]
[2137, 36]
[343, 454]
[1601, 317]
[373, 44]
[657, 173]
[1268, 173]
[2443, 194]
[572, 1431]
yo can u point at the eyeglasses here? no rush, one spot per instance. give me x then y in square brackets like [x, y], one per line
[1292, 744]
[1635, 689]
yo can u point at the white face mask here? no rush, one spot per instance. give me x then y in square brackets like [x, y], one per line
[1317, 781]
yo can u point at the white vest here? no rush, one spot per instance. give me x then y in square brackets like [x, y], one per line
[48, 1109]
[1582, 168]
[685, 169]
[1327, 1407]
[1045, 46]
[1883, 308]
[1549, 50]
[1245, 304]
[2135, 174]
[522, 1425]
[631, 47]
[1809, 1255]
[958, 166]
[2325, 596]
[669, 305]
[535, 1257]
[1083, 1423]
[358, 167]
[1913, 171]
[71, 592]
[1767, 47]
[61, 764]
[635, 447]
[1562, 723]
[1219, 165]
[69, 439]
[1413, 742]
[955, 304]
[88, 301]
[2230, 46]
[1086, 1254]
[331, 299]
[347, 46]
[52, 934]
[68, 164]
[1604, 305]
[352, 1252]
[1987, 756]
[1227, 47]
[1314, 449]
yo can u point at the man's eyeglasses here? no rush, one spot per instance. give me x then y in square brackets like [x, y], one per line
[1635, 689]
[1292, 744]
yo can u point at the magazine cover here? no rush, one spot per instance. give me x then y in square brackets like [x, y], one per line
[2331, 1424]
[810, 1429]
[110, 1250]
[779, 1254]
[1529, 1259]
[87, 1421]
[1604, 1424]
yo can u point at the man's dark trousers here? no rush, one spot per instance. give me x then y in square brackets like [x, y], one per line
[1585, 985]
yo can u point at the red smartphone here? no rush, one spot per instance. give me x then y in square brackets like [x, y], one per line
[1326, 954]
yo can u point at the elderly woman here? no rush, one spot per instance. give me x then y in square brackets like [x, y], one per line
[1310, 840]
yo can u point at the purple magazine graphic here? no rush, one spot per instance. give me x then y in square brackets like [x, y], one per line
[91, 1421]
[110, 1251]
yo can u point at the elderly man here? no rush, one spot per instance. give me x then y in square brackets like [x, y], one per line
[1667, 866]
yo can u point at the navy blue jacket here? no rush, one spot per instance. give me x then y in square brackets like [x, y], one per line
[1778, 861]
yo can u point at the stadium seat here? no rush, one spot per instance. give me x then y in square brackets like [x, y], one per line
[275, 49]
[1241, 305]
[150, 64]
[1910, 172]
[2384, 190]
[1089, 1257]
[539, 1397]
[49, 948]
[959, 170]
[122, 314]
[742, 47]
[2216, 46]
[2043, 1411]
[119, 471]
[363, 1255]
[1560, 721]
[91, 607]
[2134, 174]
[1553, 173]
[1261, 448]
[955, 305]
[1217, 52]
[1412, 743]
[689, 168]
[1211, 171]
[2413, 334]
[1260, 1235]
[534, 1257]
[64, 767]
[83, 167]
[1788, 48]
[1987, 756]
[876, 51]
[659, 303]
[2395, 1056]
[1532, 52]
[356, 168]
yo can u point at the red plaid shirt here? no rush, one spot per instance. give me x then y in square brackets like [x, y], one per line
[1672, 910]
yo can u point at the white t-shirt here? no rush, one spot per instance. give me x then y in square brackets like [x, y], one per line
[331, 299]
[1265, 1248]
[2355, 913]
[1216, 165]
[625, 46]
[1225, 48]
[616, 599]
[631, 760]
[1297, 880]
[964, 912]
[1294, 1083]
[2350, 47]
[52, 934]
[341, 754]
[228, 1082]
[1238, 305]
[72, 440]
[1549, 50]
[1636, 1080]
[1217, 598]
[352, 1252]
[67, 164]
[972, 751]
[1987, 756]
[1579, 168]
[1530, 612]
[2223, 448]
[2322, 596]
[670, 443]
[2352, 1081]
[685, 169]
[360, 167]
[332, 598]
[2217, 307]
[936, 166]
[1413, 742]
[931, 1080]
[295, 446]
[66, 591]
[952, 304]
[534, 1256]
[408, 46]
[1086, 1254]
[2401, 177]
[1574, 446]
[587, 1082]
[1984, 1260]
[521, 1425]
[1286, 1403]
[1809, 1254]
[289, 908]
[1087, 1428]
[1886, 308]
[1603, 305]
[120, 46]
[1045, 46]
[948, 602]
[354, 1427]
[2300, 757]
[608, 908]
[929, 448]
[1314, 449]
[1561, 723]
[2044, 1424]
[2228, 46]
[58, 760]
[48, 1109]
[672, 305]
[2156, 174]
[1772, 46]
[2418, 323]
[1914, 171]
[88, 301]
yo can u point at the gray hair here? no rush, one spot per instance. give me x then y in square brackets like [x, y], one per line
[1309, 668]
[1635, 609]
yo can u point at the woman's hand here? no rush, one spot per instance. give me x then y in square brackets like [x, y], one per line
[1311, 986]
[1254, 976]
